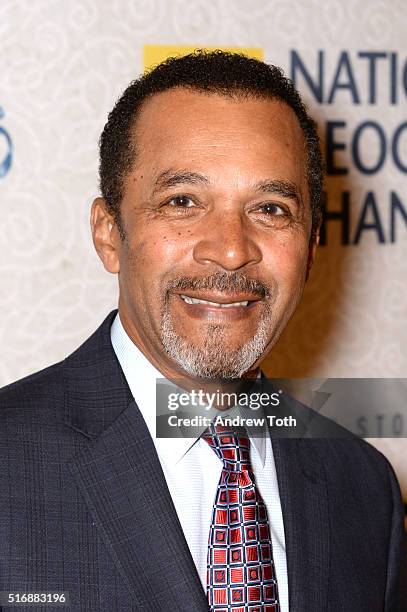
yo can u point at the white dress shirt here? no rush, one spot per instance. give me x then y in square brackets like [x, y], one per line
[192, 470]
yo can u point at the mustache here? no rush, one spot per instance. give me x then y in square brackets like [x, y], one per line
[233, 282]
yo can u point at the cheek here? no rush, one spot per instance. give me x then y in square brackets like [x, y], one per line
[149, 260]
[167, 249]
[287, 262]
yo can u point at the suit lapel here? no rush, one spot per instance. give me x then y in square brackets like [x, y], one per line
[304, 502]
[121, 480]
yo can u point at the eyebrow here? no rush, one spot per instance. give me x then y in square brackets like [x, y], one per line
[172, 178]
[286, 189]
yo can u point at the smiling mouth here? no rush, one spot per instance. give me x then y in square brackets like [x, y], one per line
[237, 304]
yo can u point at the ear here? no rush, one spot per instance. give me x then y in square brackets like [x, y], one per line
[105, 235]
[313, 244]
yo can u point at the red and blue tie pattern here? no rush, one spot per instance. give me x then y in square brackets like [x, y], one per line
[241, 575]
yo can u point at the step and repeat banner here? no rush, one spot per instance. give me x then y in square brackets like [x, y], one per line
[63, 65]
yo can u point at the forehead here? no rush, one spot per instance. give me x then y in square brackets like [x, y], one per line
[182, 127]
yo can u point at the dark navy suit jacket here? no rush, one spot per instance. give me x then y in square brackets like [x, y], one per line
[85, 509]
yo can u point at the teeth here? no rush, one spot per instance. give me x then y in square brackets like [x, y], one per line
[190, 300]
[234, 304]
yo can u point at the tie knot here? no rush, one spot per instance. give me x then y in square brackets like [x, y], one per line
[231, 446]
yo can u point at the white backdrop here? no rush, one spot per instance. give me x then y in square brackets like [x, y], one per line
[62, 66]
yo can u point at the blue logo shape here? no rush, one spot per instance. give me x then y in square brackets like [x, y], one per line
[5, 164]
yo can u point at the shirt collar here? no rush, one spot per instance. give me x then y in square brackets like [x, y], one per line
[141, 376]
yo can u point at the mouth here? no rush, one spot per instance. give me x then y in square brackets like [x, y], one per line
[220, 302]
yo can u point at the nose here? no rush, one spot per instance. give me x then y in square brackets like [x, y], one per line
[227, 241]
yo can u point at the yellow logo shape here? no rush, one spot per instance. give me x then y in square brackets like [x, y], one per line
[155, 54]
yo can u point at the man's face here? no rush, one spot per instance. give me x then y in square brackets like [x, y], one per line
[217, 222]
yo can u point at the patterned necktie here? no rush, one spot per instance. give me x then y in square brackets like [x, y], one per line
[241, 573]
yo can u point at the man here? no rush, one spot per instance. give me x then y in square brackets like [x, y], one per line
[211, 181]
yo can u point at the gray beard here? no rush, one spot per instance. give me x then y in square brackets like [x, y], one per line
[214, 360]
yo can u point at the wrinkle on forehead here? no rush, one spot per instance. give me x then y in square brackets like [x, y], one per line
[232, 140]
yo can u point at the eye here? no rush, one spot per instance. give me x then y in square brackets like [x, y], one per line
[181, 202]
[273, 215]
[272, 209]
